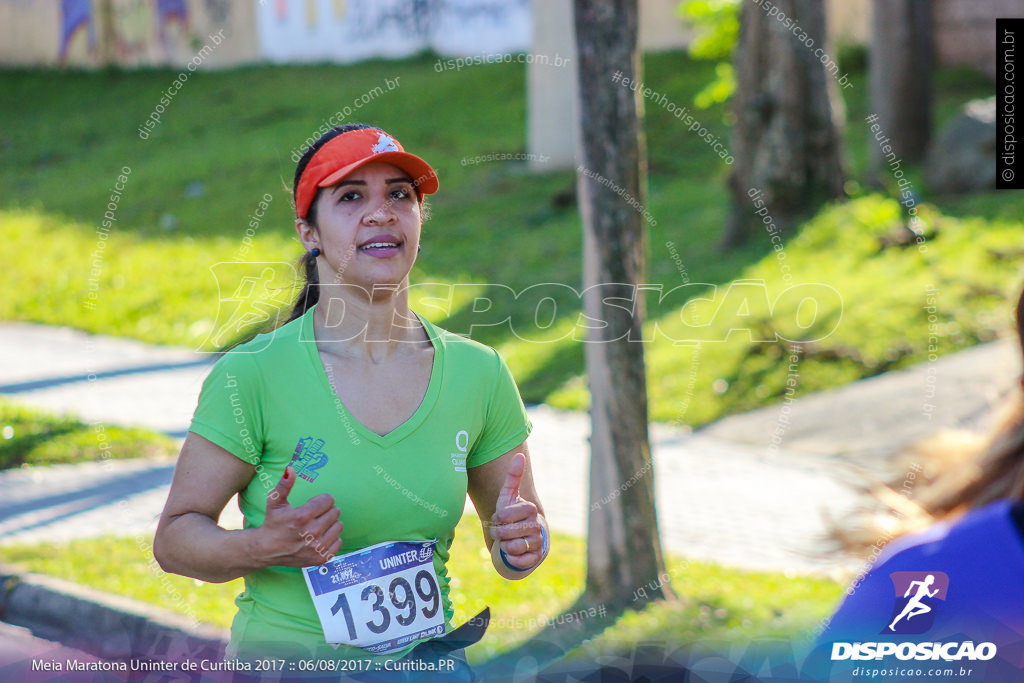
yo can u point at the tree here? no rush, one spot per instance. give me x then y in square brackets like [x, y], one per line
[786, 140]
[900, 74]
[623, 547]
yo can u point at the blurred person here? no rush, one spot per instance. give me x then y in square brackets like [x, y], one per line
[357, 427]
[960, 541]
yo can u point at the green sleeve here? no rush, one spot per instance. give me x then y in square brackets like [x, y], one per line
[506, 425]
[230, 412]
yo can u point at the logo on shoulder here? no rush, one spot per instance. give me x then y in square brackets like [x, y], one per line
[917, 595]
[308, 458]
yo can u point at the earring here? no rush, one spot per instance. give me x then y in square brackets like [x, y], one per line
[314, 252]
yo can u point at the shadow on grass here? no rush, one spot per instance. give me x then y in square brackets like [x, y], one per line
[560, 636]
[14, 452]
[562, 366]
[584, 620]
[664, 651]
[565, 363]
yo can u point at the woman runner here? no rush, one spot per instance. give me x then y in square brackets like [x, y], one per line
[354, 430]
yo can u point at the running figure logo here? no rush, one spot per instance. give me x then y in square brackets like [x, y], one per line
[249, 296]
[308, 458]
[917, 594]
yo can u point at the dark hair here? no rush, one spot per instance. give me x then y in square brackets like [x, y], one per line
[310, 293]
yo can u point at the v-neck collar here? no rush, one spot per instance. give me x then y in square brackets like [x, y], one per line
[308, 336]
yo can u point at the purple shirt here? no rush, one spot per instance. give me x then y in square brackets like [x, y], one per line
[954, 582]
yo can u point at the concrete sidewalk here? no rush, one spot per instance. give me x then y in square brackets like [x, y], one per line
[18, 649]
[869, 421]
[722, 493]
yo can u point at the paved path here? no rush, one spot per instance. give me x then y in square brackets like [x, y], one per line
[868, 421]
[18, 649]
[722, 493]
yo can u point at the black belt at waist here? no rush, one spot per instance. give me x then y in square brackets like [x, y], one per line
[468, 634]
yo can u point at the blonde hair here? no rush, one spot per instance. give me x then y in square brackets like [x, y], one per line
[961, 472]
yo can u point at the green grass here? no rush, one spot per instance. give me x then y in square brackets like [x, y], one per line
[719, 603]
[34, 437]
[227, 138]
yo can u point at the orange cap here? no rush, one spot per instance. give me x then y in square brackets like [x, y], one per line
[347, 152]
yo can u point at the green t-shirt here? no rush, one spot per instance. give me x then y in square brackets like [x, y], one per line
[270, 402]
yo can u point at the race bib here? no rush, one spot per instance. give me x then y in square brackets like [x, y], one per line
[379, 598]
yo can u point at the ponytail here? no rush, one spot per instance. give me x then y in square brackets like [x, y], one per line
[310, 293]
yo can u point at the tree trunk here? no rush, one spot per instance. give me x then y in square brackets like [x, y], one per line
[900, 74]
[786, 139]
[623, 548]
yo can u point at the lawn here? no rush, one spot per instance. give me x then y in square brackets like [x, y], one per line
[34, 437]
[176, 247]
[720, 603]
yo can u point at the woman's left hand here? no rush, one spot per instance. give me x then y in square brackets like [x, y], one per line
[516, 523]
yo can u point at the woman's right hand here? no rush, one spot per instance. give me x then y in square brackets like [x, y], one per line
[302, 536]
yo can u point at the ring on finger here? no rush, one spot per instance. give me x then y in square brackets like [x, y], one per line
[527, 542]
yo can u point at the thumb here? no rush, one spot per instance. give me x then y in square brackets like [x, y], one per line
[279, 496]
[513, 477]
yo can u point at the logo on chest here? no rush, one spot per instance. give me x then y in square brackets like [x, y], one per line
[308, 458]
[462, 451]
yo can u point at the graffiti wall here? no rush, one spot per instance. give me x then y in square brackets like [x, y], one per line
[95, 33]
[352, 30]
[128, 33]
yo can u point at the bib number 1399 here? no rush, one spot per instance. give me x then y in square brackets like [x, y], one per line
[381, 598]
[402, 597]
